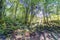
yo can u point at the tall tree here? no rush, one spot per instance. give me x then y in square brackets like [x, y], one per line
[46, 10]
[57, 10]
[1, 10]
[33, 6]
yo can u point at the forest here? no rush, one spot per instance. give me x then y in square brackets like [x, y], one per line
[30, 17]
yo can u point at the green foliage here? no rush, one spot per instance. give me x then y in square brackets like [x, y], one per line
[17, 16]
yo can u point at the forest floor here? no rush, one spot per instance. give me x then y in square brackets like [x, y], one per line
[45, 35]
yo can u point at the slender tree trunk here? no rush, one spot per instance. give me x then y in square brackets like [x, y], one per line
[43, 15]
[32, 13]
[1, 7]
[1, 10]
[3, 13]
[45, 9]
[57, 12]
[26, 15]
[16, 9]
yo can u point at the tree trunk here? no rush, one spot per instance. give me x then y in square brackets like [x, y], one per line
[32, 13]
[1, 10]
[43, 15]
[26, 15]
[46, 11]
[16, 9]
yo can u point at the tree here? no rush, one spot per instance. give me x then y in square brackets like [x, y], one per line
[2, 23]
[1, 10]
[33, 6]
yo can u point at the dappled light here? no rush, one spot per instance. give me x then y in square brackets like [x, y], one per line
[29, 19]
